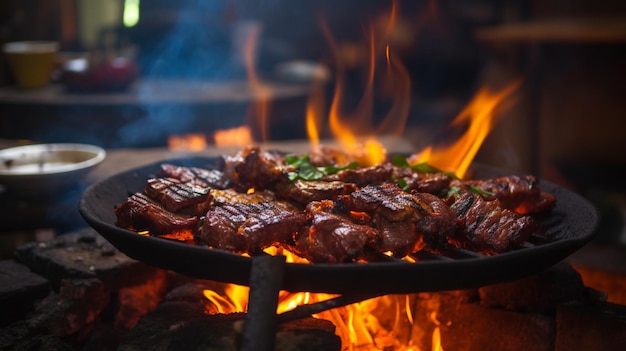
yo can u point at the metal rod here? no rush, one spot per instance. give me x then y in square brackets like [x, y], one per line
[259, 328]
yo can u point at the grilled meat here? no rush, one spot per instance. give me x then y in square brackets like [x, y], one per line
[140, 213]
[486, 226]
[230, 196]
[253, 168]
[519, 193]
[386, 199]
[249, 227]
[420, 216]
[332, 236]
[545, 202]
[432, 183]
[362, 176]
[303, 192]
[178, 197]
[397, 238]
[195, 177]
[342, 217]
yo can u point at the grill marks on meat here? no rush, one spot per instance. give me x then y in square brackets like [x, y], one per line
[178, 197]
[249, 227]
[251, 204]
[404, 220]
[486, 226]
[386, 199]
[195, 176]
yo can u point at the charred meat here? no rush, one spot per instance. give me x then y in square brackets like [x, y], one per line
[178, 197]
[519, 193]
[140, 213]
[334, 212]
[253, 168]
[249, 227]
[195, 176]
[486, 226]
[303, 192]
[332, 236]
[403, 219]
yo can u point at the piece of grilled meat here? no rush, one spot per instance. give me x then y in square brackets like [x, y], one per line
[362, 176]
[331, 236]
[178, 197]
[252, 168]
[432, 183]
[195, 176]
[249, 227]
[521, 194]
[140, 213]
[486, 226]
[403, 219]
[303, 192]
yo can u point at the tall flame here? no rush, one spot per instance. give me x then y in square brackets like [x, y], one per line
[261, 91]
[477, 119]
[355, 129]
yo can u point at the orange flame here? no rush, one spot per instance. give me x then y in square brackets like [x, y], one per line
[478, 117]
[314, 114]
[355, 130]
[238, 136]
[189, 142]
[261, 91]
[357, 325]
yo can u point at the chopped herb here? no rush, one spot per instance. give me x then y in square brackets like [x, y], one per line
[474, 189]
[423, 167]
[479, 191]
[400, 161]
[305, 170]
[453, 191]
[403, 184]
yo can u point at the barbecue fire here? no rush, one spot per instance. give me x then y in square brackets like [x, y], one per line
[346, 205]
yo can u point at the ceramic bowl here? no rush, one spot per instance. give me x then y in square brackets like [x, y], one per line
[43, 169]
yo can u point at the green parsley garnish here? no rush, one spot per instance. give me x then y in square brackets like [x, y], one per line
[305, 170]
[454, 190]
[479, 191]
[403, 184]
[401, 161]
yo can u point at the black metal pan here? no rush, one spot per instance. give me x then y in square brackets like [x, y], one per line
[569, 227]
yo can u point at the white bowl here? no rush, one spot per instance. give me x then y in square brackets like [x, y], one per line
[43, 169]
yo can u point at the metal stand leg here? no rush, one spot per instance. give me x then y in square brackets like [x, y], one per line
[266, 278]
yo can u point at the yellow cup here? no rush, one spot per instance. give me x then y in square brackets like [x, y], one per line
[31, 62]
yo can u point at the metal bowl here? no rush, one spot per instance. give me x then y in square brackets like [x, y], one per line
[43, 169]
